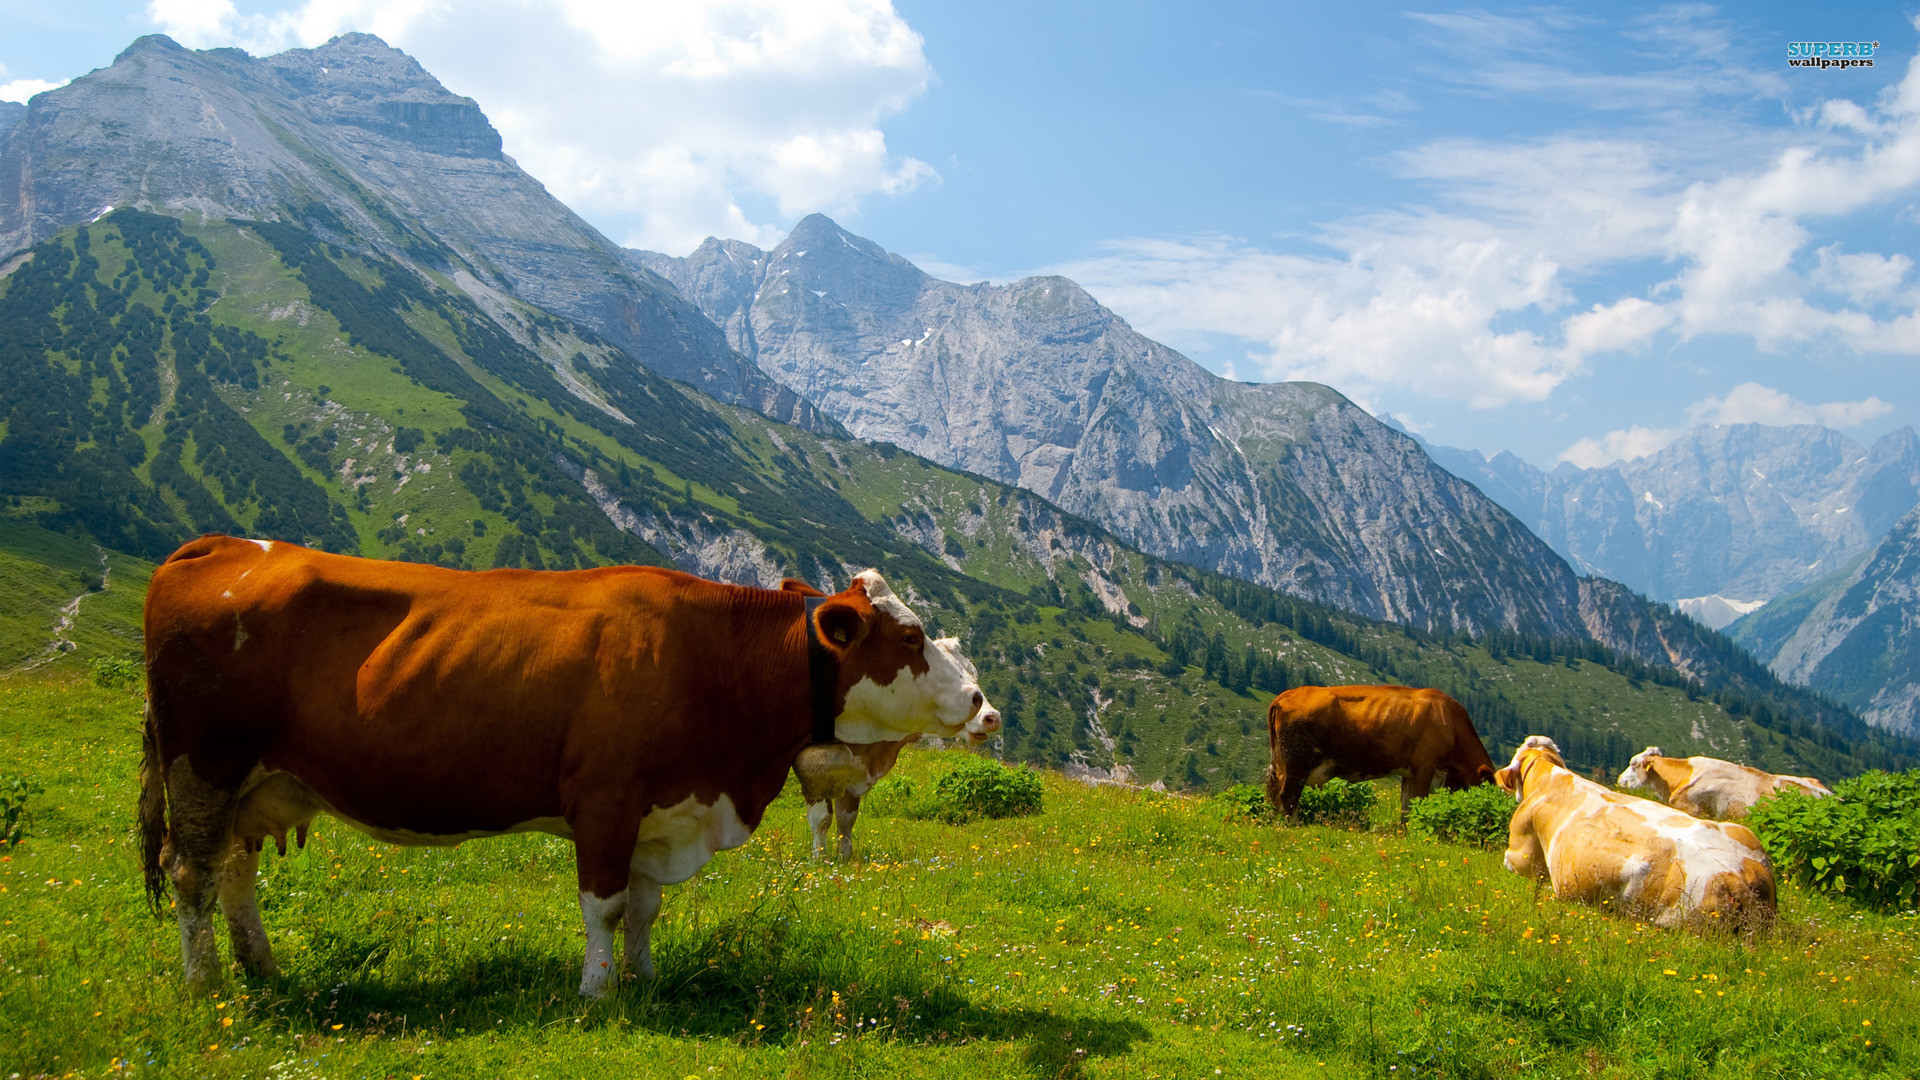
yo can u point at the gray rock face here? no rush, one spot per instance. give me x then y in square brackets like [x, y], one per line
[1037, 384]
[353, 138]
[1741, 511]
[10, 114]
[1855, 635]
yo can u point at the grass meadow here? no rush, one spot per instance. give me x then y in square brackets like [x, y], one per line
[1119, 933]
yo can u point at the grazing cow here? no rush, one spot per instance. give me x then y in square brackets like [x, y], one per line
[646, 714]
[1632, 854]
[1367, 732]
[835, 777]
[1708, 787]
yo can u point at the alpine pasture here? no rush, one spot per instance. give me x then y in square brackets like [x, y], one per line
[1118, 933]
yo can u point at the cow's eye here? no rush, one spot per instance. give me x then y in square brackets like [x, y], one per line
[911, 639]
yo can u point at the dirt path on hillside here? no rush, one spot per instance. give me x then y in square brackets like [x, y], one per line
[62, 626]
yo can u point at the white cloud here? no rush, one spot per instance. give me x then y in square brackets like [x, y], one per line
[19, 90]
[1669, 229]
[1625, 445]
[1752, 403]
[663, 120]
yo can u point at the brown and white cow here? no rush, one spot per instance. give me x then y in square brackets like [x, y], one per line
[834, 778]
[1631, 854]
[1708, 787]
[1367, 732]
[646, 714]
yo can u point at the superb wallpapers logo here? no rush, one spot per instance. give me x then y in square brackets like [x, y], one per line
[1831, 54]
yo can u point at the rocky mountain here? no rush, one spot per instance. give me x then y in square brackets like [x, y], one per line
[1036, 384]
[1854, 635]
[161, 377]
[356, 142]
[10, 114]
[1721, 519]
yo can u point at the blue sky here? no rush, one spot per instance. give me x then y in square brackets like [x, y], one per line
[1513, 228]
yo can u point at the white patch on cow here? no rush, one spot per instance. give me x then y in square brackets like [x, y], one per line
[820, 821]
[1702, 848]
[938, 702]
[676, 841]
[265, 545]
[1322, 772]
[1633, 873]
[239, 634]
[882, 597]
[601, 916]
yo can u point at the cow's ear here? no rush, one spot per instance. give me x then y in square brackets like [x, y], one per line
[795, 585]
[1484, 775]
[842, 622]
[1508, 779]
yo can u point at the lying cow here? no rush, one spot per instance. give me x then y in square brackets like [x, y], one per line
[646, 714]
[1649, 861]
[1708, 787]
[1367, 732]
[835, 777]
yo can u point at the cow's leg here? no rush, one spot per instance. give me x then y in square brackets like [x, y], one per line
[1417, 784]
[242, 906]
[199, 834]
[846, 810]
[1291, 783]
[819, 820]
[643, 905]
[603, 841]
[602, 916]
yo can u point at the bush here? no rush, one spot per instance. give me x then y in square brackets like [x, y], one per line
[118, 674]
[14, 793]
[1863, 843]
[1242, 801]
[1338, 802]
[1478, 816]
[982, 787]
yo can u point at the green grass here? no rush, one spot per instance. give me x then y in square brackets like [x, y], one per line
[1119, 933]
[41, 572]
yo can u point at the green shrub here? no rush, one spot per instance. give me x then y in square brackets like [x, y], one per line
[117, 673]
[14, 793]
[1242, 801]
[982, 787]
[1477, 816]
[1338, 802]
[1863, 843]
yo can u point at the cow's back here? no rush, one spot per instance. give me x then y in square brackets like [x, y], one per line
[414, 696]
[1369, 730]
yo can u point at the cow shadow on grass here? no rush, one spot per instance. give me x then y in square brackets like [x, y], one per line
[757, 979]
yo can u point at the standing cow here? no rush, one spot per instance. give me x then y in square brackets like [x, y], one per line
[835, 777]
[1367, 732]
[1631, 854]
[646, 714]
[1708, 787]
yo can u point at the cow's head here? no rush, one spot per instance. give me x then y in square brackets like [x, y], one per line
[1537, 748]
[1635, 774]
[894, 679]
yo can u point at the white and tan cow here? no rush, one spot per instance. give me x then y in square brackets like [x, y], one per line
[834, 778]
[1630, 854]
[645, 714]
[1708, 787]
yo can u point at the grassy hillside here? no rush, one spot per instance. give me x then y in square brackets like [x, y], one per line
[161, 378]
[1119, 934]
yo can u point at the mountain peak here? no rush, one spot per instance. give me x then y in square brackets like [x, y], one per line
[151, 44]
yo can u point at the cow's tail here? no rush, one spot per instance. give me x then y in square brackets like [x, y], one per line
[153, 812]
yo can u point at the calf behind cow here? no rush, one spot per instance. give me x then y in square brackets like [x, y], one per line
[1316, 733]
[646, 714]
[1708, 787]
[1643, 859]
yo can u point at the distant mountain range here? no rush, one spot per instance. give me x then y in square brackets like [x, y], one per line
[1722, 519]
[1036, 384]
[350, 319]
[1855, 634]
